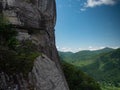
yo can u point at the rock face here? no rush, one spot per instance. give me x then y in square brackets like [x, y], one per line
[34, 20]
[44, 76]
[47, 78]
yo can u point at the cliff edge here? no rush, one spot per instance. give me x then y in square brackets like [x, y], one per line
[34, 20]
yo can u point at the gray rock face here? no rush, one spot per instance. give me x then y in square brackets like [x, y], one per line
[34, 20]
[44, 76]
[36, 17]
[30, 13]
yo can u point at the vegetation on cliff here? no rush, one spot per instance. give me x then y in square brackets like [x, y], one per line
[15, 56]
[77, 80]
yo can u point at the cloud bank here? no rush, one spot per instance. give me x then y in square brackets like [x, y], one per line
[94, 3]
[74, 50]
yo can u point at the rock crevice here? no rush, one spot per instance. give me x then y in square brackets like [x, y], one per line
[34, 20]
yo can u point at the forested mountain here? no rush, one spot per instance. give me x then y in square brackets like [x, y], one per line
[82, 58]
[78, 80]
[106, 68]
[103, 65]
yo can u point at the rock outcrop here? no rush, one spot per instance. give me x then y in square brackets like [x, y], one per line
[34, 20]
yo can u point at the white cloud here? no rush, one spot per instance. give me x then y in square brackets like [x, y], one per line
[94, 3]
[95, 48]
[102, 47]
[74, 50]
[67, 49]
[82, 9]
[115, 47]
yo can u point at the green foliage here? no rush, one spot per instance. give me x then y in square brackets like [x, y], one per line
[15, 56]
[17, 61]
[7, 34]
[77, 80]
[82, 58]
[103, 66]
[106, 68]
[106, 86]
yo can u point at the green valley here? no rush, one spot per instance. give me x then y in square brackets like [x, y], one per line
[78, 80]
[103, 65]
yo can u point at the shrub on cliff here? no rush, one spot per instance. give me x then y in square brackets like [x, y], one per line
[77, 80]
[15, 56]
[7, 34]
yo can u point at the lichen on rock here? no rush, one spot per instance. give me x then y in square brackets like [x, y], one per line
[34, 20]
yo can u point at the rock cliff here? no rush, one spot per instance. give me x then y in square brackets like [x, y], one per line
[34, 20]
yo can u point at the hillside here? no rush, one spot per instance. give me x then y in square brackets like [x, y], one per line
[83, 58]
[103, 65]
[78, 80]
[106, 68]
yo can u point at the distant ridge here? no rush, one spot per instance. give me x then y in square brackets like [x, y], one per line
[103, 65]
[83, 55]
[104, 49]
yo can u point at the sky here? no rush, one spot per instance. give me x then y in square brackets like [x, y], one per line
[87, 24]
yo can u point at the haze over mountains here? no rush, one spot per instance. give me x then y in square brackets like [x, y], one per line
[83, 55]
[103, 65]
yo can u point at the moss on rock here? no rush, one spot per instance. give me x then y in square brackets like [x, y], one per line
[15, 56]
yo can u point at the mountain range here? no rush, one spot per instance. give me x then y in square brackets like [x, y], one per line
[84, 57]
[103, 65]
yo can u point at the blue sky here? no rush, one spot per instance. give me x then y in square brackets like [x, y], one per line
[87, 24]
